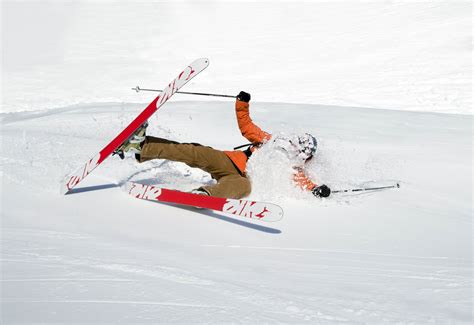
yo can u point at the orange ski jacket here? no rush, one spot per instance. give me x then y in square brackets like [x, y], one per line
[257, 137]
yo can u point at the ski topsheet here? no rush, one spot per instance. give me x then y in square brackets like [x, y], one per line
[187, 74]
[244, 208]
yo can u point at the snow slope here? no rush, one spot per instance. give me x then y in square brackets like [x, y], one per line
[387, 54]
[101, 256]
[370, 78]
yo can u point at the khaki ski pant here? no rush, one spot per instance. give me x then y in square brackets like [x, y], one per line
[230, 183]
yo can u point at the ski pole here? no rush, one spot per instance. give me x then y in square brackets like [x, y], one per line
[138, 89]
[366, 189]
[244, 145]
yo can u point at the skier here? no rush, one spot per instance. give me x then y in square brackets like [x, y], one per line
[228, 167]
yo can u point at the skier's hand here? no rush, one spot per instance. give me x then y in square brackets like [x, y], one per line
[321, 191]
[243, 97]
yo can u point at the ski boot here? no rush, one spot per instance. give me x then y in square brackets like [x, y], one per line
[199, 191]
[134, 143]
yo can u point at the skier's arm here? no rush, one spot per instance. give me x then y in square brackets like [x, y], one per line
[248, 129]
[305, 183]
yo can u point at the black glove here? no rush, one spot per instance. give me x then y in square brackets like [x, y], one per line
[321, 191]
[243, 97]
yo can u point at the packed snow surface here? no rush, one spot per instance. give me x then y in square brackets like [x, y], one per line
[369, 80]
[99, 255]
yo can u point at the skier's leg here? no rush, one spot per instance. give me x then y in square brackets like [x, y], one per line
[232, 186]
[213, 161]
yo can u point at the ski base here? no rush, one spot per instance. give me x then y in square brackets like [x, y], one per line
[262, 211]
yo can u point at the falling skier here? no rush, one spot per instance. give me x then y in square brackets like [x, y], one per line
[228, 167]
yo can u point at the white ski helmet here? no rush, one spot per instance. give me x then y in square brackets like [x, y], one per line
[301, 147]
[307, 146]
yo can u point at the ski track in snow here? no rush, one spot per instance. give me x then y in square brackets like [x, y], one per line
[95, 256]
[255, 294]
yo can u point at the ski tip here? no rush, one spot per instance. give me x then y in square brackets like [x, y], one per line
[280, 215]
[63, 190]
[202, 61]
[276, 214]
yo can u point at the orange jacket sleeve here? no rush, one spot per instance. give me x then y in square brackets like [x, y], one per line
[248, 129]
[303, 181]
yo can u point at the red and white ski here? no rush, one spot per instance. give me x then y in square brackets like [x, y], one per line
[187, 74]
[244, 208]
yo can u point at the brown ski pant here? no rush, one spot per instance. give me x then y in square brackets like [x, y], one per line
[230, 183]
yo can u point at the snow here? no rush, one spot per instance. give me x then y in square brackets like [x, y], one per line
[386, 90]
[99, 255]
[392, 55]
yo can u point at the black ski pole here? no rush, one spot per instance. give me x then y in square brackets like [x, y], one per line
[366, 189]
[138, 89]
